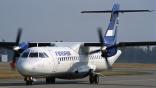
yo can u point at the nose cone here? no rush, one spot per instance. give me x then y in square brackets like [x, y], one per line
[24, 67]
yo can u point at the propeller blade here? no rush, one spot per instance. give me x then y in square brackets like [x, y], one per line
[18, 36]
[108, 64]
[16, 49]
[100, 36]
[95, 51]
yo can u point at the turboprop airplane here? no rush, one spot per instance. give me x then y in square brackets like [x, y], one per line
[70, 60]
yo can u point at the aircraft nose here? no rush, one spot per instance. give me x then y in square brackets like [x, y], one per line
[24, 67]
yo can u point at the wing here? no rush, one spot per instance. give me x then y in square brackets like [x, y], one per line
[8, 45]
[30, 44]
[124, 44]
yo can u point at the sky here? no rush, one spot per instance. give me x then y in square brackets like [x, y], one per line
[61, 20]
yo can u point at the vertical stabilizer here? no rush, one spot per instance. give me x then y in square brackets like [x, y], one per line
[110, 36]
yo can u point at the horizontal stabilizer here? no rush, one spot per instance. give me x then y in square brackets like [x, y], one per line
[120, 11]
[107, 11]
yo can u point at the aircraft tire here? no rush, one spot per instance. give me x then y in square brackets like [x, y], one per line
[47, 80]
[96, 79]
[93, 78]
[53, 80]
[50, 80]
[28, 80]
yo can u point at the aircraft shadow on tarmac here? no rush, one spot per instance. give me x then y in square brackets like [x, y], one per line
[128, 85]
[12, 84]
[73, 82]
[42, 83]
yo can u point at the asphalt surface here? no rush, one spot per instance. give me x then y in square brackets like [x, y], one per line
[141, 81]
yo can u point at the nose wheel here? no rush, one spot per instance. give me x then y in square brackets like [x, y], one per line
[28, 80]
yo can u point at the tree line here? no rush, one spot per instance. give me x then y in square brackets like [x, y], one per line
[138, 55]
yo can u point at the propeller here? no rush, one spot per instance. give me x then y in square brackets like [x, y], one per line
[18, 36]
[103, 48]
[16, 48]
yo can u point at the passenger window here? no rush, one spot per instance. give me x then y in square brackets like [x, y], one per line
[33, 55]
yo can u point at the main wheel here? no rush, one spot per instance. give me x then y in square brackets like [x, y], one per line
[96, 79]
[47, 80]
[53, 80]
[93, 78]
[50, 80]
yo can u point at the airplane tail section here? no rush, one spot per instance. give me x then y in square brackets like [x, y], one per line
[110, 37]
[107, 42]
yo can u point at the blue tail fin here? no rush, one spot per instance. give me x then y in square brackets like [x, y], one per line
[110, 36]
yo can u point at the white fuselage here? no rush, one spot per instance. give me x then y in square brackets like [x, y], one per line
[62, 62]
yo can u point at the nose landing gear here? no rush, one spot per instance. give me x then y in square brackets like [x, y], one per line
[28, 80]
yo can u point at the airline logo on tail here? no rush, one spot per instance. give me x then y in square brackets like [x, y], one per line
[110, 33]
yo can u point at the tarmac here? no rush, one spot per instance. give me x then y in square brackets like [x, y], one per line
[133, 81]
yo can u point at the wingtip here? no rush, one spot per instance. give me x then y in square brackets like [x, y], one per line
[151, 10]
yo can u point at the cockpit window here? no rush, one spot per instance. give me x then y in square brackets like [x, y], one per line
[43, 55]
[33, 55]
[25, 55]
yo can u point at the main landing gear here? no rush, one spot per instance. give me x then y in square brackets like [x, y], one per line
[93, 78]
[28, 80]
[50, 80]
